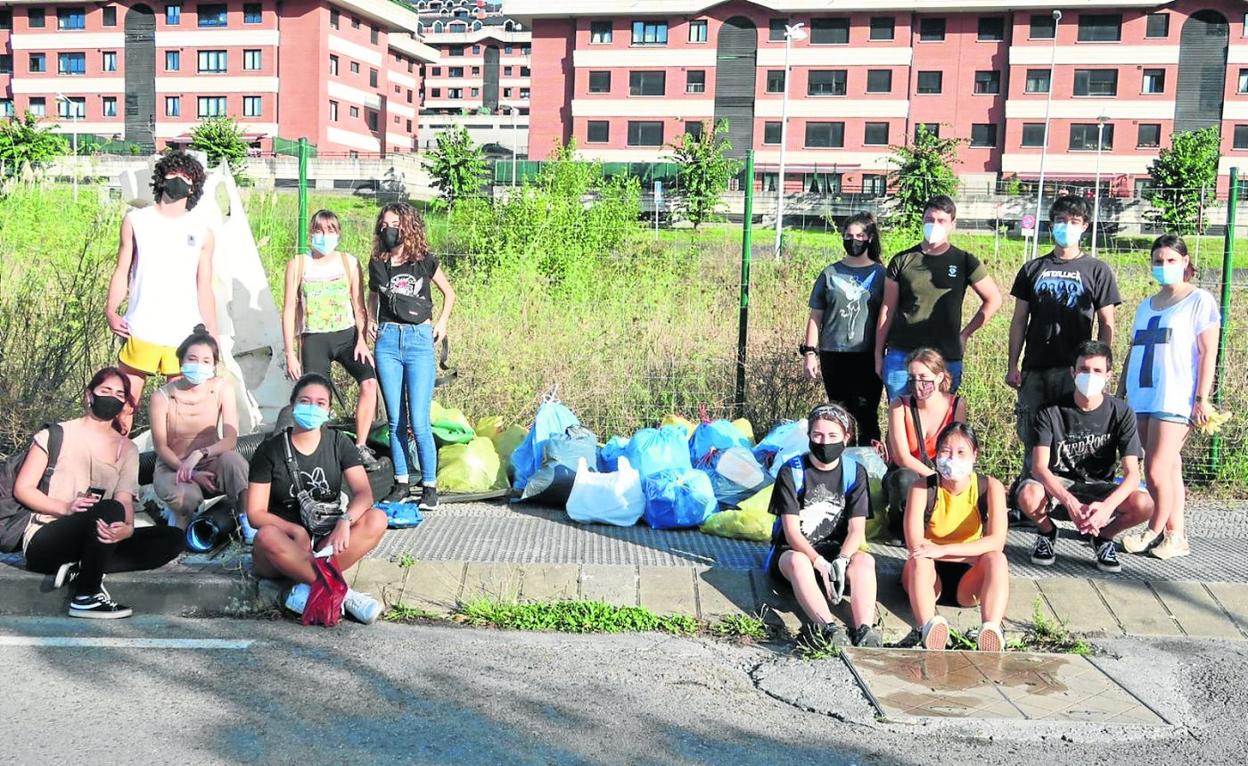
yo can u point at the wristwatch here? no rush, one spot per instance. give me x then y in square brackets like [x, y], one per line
[803, 350]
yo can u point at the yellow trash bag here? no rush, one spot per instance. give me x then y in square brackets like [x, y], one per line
[743, 426]
[471, 467]
[449, 426]
[677, 420]
[490, 427]
[507, 440]
[751, 521]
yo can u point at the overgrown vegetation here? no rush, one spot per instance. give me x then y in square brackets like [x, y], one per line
[1180, 172]
[221, 139]
[704, 172]
[571, 617]
[924, 170]
[1048, 635]
[457, 165]
[742, 627]
[26, 143]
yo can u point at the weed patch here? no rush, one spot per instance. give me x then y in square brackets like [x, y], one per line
[571, 617]
[406, 614]
[742, 627]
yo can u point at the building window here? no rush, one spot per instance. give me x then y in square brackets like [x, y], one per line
[355, 22]
[251, 13]
[600, 32]
[829, 31]
[1241, 137]
[879, 81]
[882, 27]
[697, 31]
[768, 181]
[6, 22]
[333, 21]
[212, 62]
[476, 50]
[1243, 81]
[6, 107]
[6, 63]
[354, 112]
[1158, 25]
[38, 62]
[931, 128]
[1042, 28]
[173, 14]
[1148, 135]
[1100, 27]
[1083, 137]
[507, 71]
[524, 93]
[1143, 187]
[650, 33]
[825, 135]
[775, 80]
[776, 30]
[35, 20]
[991, 29]
[437, 93]
[109, 16]
[333, 111]
[1096, 82]
[647, 83]
[372, 78]
[455, 71]
[252, 60]
[771, 132]
[409, 126]
[454, 93]
[374, 37]
[211, 106]
[108, 61]
[1037, 81]
[984, 135]
[212, 15]
[38, 106]
[73, 108]
[600, 82]
[507, 49]
[1033, 134]
[409, 95]
[931, 30]
[474, 92]
[645, 133]
[506, 92]
[694, 128]
[598, 132]
[695, 81]
[355, 67]
[930, 82]
[822, 183]
[371, 119]
[826, 82]
[875, 134]
[333, 64]
[988, 83]
[173, 61]
[71, 18]
[524, 71]
[1154, 81]
[874, 184]
[251, 106]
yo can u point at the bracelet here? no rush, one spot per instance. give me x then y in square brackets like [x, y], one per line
[804, 350]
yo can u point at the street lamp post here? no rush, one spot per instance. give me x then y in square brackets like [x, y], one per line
[73, 124]
[1044, 147]
[1096, 194]
[791, 32]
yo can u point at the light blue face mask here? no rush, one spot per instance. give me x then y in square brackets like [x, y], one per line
[1066, 235]
[1168, 273]
[308, 416]
[324, 243]
[198, 372]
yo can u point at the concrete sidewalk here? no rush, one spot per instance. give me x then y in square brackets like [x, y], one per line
[520, 552]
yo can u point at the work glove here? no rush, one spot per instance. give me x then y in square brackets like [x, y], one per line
[838, 578]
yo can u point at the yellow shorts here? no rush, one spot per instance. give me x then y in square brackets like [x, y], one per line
[149, 358]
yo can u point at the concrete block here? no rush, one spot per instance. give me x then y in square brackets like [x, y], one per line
[1024, 595]
[1137, 608]
[668, 590]
[610, 583]
[1078, 605]
[381, 579]
[1198, 613]
[893, 607]
[497, 582]
[1233, 597]
[724, 592]
[776, 604]
[549, 582]
[434, 585]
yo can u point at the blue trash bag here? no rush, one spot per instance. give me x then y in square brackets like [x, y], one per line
[609, 455]
[552, 483]
[783, 443]
[552, 418]
[736, 477]
[401, 515]
[710, 440]
[652, 450]
[678, 499]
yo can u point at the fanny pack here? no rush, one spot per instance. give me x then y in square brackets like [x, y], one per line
[413, 309]
[318, 517]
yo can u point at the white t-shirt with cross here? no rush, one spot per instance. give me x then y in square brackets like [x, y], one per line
[1161, 374]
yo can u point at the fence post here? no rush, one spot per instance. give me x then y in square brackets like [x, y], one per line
[303, 196]
[743, 324]
[1228, 263]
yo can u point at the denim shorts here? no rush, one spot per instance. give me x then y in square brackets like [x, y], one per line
[1169, 417]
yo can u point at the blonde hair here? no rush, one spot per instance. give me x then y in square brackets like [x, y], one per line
[933, 361]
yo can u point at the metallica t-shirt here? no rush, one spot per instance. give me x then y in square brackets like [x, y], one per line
[1086, 446]
[1062, 300]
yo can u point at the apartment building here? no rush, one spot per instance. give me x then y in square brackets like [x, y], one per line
[346, 74]
[625, 79]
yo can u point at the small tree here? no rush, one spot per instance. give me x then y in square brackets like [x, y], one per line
[924, 169]
[1180, 172]
[457, 165]
[23, 140]
[704, 172]
[222, 140]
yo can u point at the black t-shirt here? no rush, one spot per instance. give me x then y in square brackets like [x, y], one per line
[930, 289]
[822, 508]
[1062, 300]
[1086, 446]
[320, 473]
[412, 279]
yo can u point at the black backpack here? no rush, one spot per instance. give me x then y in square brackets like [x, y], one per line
[13, 515]
[981, 502]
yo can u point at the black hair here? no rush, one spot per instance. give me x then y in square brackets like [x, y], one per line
[867, 222]
[1071, 206]
[943, 203]
[1175, 243]
[834, 413]
[199, 336]
[958, 428]
[180, 162]
[1093, 348]
[310, 379]
[113, 372]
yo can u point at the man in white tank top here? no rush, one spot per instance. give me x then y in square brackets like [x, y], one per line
[164, 273]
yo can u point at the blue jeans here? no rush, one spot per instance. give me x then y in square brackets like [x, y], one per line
[405, 365]
[897, 378]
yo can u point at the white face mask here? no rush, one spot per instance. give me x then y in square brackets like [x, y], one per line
[954, 469]
[1089, 385]
[934, 233]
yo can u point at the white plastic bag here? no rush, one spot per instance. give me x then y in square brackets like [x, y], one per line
[606, 498]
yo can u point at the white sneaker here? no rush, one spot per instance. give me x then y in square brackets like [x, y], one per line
[1140, 541]
[297, 599]
[362, 607]
[246, 529]
[990, 638]
[1171, 546]
[936, 633]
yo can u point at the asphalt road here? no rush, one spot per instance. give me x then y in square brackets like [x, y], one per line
[150, 690]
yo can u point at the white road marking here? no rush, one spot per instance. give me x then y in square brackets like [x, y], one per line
[126, 643]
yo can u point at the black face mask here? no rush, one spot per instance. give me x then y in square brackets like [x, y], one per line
[176, 188]
[855, 247]
[827, 453]
[106, 407]
[390, 238]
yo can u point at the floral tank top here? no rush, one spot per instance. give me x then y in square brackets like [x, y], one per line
[326, 299]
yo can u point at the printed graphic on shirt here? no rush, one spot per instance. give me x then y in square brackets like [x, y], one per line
[821, 512]
[1073, 450]
[315, 483]
[1064, 287]
[406, 284]
[1150, 337]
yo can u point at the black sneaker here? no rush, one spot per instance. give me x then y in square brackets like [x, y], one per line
[428, 498]
[399, 494]
[98, 607]
[369, 459]
[1042, 553]
[65, 574]
[1106, 555]
[865, 635]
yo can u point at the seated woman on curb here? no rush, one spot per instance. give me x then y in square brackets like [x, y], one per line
[195, 430]
[914, 421]
[822, 521]
[323, 459]
[955, 532]
[82, 524]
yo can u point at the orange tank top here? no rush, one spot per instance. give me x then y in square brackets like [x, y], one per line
[929, 439]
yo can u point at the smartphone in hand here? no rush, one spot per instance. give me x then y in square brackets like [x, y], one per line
[95, 493]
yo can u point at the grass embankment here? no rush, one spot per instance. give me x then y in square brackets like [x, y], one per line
[637, 334]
